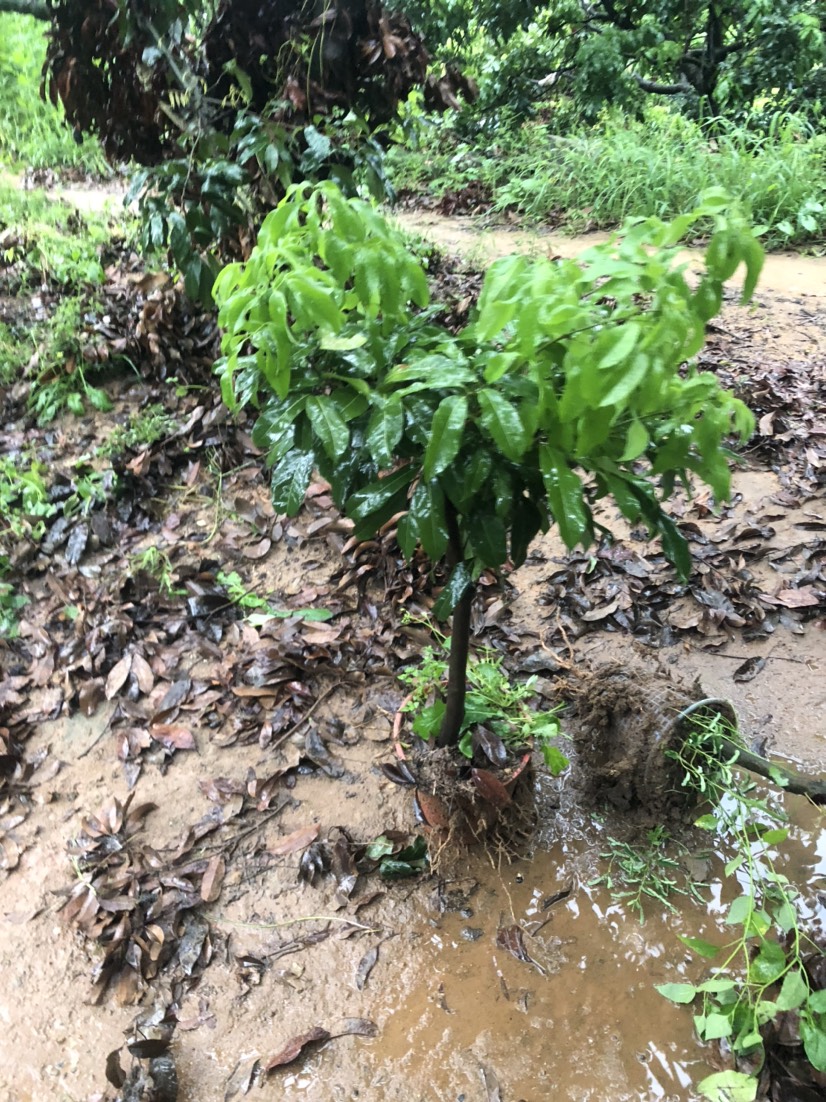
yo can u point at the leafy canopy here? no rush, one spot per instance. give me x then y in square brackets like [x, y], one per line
[564, 387]
[725, 53]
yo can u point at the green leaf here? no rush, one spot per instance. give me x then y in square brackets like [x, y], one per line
[794, 991]
[774, 836]
[445, 434]
[488, 538]
[817, 1002]
[374, 504]
[681, 993]
[717, 985]
[814, 1041]
[427, 723]
[503, 423]
[717, 1026]
[459, 582]
[98, 398]
[706, 822]
[700, 947]
[565, 497]
[333, 343]
[379, 847]
[769, 964]
[636, 441]
[740, 910]
[384, 431]
[728, 1086]
[555, 760]
[785, 916]
[290, 479]
[427, 519]
[329, 426]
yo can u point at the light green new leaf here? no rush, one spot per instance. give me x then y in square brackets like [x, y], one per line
[814, 1041]
[680, 993]
[793, 992]
[717, 1026]
[445, 435]
[699, 946]
[728, 1086]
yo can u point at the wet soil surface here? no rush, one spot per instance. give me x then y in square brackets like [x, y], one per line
[188, 794]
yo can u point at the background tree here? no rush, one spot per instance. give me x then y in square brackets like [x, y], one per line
[714, 57]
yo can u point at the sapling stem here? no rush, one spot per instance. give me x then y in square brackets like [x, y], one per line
[794, 782]
[459, 642]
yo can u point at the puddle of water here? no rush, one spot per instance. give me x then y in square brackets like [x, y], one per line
[580, 1021]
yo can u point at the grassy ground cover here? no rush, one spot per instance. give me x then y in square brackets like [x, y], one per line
[595, 177]
[33, 133]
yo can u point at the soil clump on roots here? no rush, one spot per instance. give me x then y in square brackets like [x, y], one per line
[460, 806]
[624, 721]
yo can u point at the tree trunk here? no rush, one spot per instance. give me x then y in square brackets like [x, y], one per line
[459, 643]
[38, 9]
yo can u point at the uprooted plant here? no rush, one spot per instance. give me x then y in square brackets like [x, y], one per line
[766, 999]
[566, 386]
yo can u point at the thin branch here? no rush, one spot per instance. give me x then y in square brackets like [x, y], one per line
[681, 88]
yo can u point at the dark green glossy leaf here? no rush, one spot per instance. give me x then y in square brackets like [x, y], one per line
[376, 503]
[459, 582]
[290, 479]
[384, 430]
[331, 429]
[565, 497]
[488, 538]
[427, 519]
[526, 521]
[445, 435]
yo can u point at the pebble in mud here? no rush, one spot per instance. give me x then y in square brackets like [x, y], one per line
[471, 933]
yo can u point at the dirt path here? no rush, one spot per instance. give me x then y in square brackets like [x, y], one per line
[420, 976]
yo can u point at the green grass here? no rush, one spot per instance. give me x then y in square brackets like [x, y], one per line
[596, 177]
[33, 133]
[49, 242]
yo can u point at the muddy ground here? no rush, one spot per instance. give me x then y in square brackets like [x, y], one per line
[227, 914]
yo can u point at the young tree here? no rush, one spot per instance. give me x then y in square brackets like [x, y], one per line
[566, 386]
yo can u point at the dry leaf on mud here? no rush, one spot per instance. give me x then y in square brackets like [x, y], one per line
[431, 810]
[117, 676]
[172, 737]
[213, 879]
[297, 840]
[294, 1047]
[366, 966]
[749, 669]
[511, 938]
[242, 1077]
[807, 596]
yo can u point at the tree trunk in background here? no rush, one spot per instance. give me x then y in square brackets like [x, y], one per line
[38, 9]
